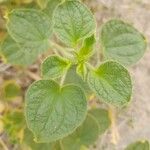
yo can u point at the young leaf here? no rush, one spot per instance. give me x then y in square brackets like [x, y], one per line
[86, 135]
[54, 67]
[139, 145]
[112, 83]
[87, 48]
[82, 71]
[17, 54]
[73, 22]
[30, 27]
[102, 116]
[53, 112]
[122, 42]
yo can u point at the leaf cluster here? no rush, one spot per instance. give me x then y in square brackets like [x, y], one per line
[56, 107]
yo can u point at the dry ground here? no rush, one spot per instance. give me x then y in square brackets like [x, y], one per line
[133, 124]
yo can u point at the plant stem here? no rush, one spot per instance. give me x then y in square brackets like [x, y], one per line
[63, 78]
[114, 129]
[98, 54]
[97, 47]
[60, 47]
[90, 66]
[56, 52]
[61, 145]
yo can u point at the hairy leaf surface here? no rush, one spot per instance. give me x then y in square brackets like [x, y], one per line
[53, 112]
[54, 67]
[73, 22]
[112, 83]
[51, 6]
[73, 78]
[18, 54]
[122, 42]
[30, 27]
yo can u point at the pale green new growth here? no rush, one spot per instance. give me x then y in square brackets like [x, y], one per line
[54, 67]
[122, 42]
[86, 135]
[53, 112]
[112, 83]
[82, 71]
[87, 49]
[73, 22]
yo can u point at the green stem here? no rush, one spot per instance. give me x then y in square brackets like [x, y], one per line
[63, 78]
[63, 51]
[56, 52]
[90, 67]
[97, 46]
[61, 145]
[98, 56]
[114, 129]
[60, 47]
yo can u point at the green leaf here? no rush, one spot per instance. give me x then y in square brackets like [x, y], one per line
[51, 6]
[87, 49]
[54, 67]
[29, 141]
[73, 78]
[102, 116]
[53, 112]
[139, 145]
[122, 42]
[112, 83]
[17, 54]
[10, 90]
[73, 22]
[31, 28]
[13, 124]
[86, 135]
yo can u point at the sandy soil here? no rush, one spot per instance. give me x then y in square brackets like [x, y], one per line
[133, 124]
